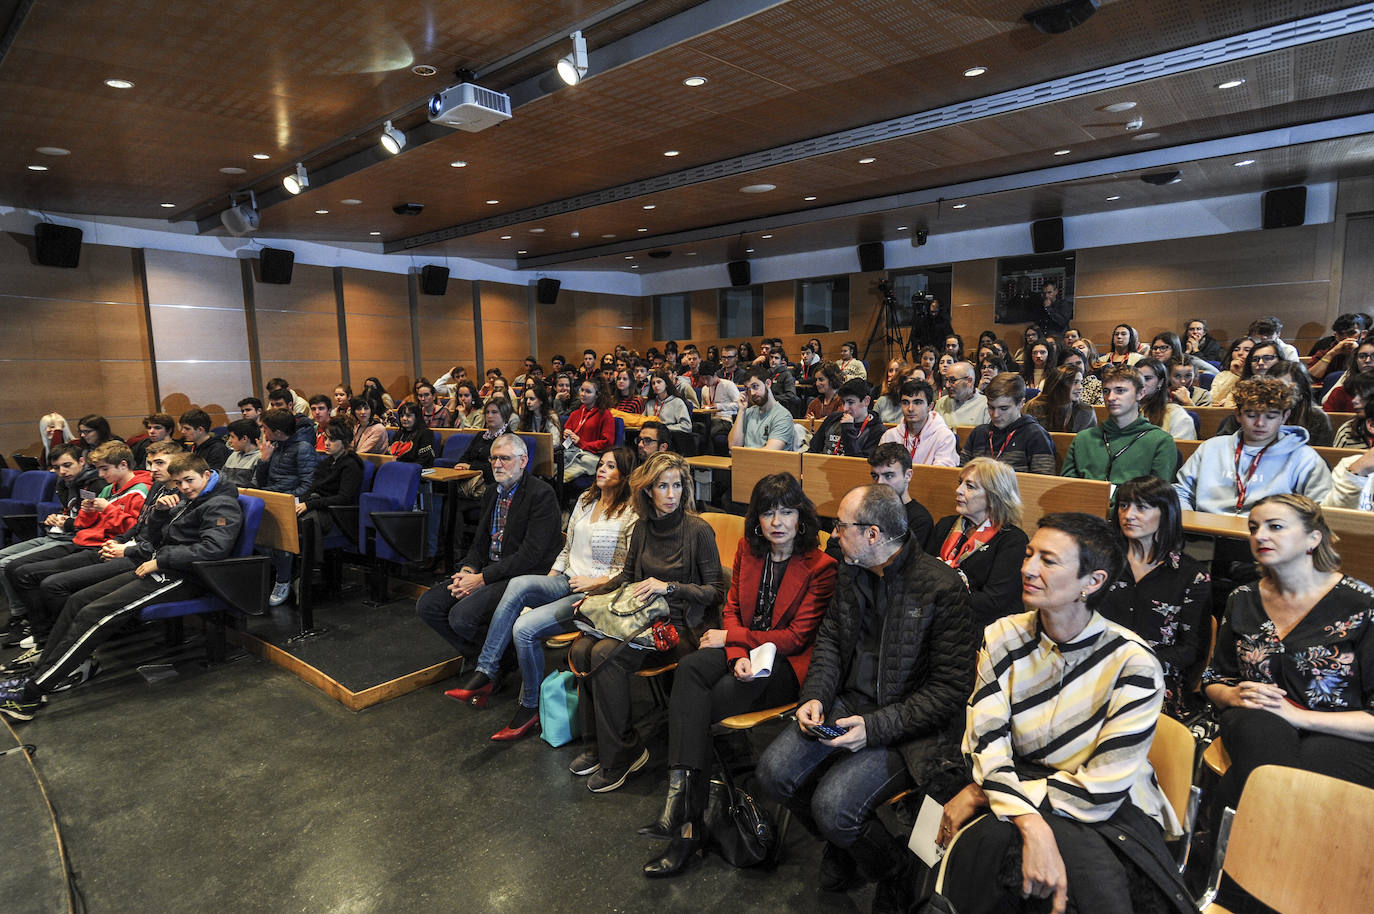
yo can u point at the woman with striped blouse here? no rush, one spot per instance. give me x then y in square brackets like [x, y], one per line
[1075, 811]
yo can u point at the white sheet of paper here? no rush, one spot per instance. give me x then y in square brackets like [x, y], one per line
[925, 831]
[761, 660]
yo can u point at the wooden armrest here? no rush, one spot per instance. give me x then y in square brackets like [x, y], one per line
[752, 719]
[657, 671]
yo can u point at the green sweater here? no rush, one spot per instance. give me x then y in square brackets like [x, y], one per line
[1139, 449]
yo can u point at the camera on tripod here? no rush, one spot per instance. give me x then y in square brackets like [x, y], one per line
[922, 298]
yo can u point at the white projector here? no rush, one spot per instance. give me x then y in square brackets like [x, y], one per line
[241, 219]
[469, 107]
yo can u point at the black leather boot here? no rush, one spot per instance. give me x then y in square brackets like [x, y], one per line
[886, 861]
[689, 838]
[673, 808]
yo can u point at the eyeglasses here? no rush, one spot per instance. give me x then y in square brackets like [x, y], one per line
[1264, 357]
[504, 458]
[643, 440]
[857, 523]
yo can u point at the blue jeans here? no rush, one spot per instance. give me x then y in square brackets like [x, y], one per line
[551, 602]
[848, 788]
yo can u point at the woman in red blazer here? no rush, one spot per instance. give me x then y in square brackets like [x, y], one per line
[780, 588]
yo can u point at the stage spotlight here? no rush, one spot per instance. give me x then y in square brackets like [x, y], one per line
[393, 140]
[572, 68]
[295, 183]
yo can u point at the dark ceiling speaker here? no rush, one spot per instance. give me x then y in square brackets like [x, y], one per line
[433, 279]
[871, 257]
[546, 291]
[56, 245]
[660, 255]
[922, 236]
[739, 272]
[1047, 236]
[1058, 18]
[1161, 178]
[274, 266]
[408, 209]
[1285, 207]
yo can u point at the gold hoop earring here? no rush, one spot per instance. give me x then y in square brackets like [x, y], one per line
[1082, 596]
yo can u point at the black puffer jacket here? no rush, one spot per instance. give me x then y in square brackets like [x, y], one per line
[201, 530]
[927, 651]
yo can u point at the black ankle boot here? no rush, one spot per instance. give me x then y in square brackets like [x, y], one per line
[674, 808]
[689, 838]
[838, 872]
[887, 862]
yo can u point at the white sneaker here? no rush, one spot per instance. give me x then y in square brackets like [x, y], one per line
[279, 594]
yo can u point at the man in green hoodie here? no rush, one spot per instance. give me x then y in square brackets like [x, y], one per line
[1126, 445]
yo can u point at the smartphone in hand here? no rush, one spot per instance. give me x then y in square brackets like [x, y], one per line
[829, 731]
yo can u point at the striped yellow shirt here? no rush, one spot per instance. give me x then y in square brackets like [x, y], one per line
[1070, 722]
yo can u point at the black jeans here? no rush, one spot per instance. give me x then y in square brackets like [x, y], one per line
[603, 700]
[25, 573]
[1254, 737]
[705, 691]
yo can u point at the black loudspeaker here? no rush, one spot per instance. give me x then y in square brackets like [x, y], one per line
[1060, 17]
[871, 257]
[739, 272]
[546, 291]
[433, 280]
[1047, 236]
[1285, 207]
[56, 245]
[275, 265]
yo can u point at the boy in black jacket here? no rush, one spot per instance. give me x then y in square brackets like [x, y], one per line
[200, 524]
[852, 431]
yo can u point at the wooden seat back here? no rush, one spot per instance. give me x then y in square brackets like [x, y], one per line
[750, 464]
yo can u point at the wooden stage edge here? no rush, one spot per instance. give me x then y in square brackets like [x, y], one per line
[353, 701]
[52, 813]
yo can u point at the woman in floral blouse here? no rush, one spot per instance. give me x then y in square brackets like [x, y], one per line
[1293, 671]
[1161, 594]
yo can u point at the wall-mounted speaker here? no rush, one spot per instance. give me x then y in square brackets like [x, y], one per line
[546, 291]
[871, 257]
[1058, 18]
[1047, 236]
[56, 245]
[433, 279]
[739, 272]
[274, 265]
[1285, 207]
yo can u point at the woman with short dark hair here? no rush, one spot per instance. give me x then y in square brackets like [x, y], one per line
[369, 434]
[1161, 594]
[780, 588]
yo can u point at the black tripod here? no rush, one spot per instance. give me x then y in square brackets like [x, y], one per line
[887, 328]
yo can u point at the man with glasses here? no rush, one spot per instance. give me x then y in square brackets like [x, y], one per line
[962, 403]
[653, 439]
[1347, 332]
[730, 368]
[892, 667]
[517, 533]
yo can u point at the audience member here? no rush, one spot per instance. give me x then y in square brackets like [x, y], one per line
[1181, 388]
[1092, 387]
[94, 431]
[343, 394]
[1042, 357]
[1123, 350]
[853, 431]
[888, 407]
[1270, 329]
[1294, 660]
[1339, 396]
[537, 413]
[1305, 412]
[53, 432]
[983, 540]
[200, 524]
[589, 430]
[477, 455]
[779, 589]
[1061, 760]
[761, 421]
[319, 416]
[1126, 445]
[963, 403]
[517, 535]
[1059, 406]
[414, 442]
[1167, 347]
[241, 466]
[369, 434]
[827, 400]
[465, 406]
[1161, 594]
[1154, 401]
[250, 408]
[373, 390]
[1237, 357]
[157, 427]
[1198, 341]
[922, 432]
[1054, 313]
[625, 395]
[653, 439]
[296, 402]
[930, 322]
[564, 402]
[338, 480]
[666, 404]
[890, 465]
[446, 384]
[1029, 337]
[435, 415]
[1352, 480]
[1016, 440]
[849, 364]
[892, 663]
[672, 555]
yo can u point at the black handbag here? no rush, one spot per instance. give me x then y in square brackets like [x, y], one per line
[737, 826]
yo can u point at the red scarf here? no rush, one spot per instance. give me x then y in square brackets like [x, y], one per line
[953, 554]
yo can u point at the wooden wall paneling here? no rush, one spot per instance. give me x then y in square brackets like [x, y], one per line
[372, 292]
[199, 331]
[377, 318]
[447, 337]
[105, 273]
[298, 330]
[586, 320]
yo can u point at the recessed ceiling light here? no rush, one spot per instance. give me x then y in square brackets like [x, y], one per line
[38, 168]
[119, 83]
[808, 199]
[641, 230]
[459, 163]
[374, 233]
[261, 156]
[629, 257]
[975, 71]
[1232, 83]
[695, 81]
[748, 250]
[423, 69]
[671, 152]
[350, 201]
[867, 160]
[766, 236]
[960, 205]
[321, 212]
[757, 188]
[1152, 135]
[1113, 197]
[536, 231]
[232, 170]
[608, 236]
[651, 206]
[574, 234]
[1117, 107]
[492, 202]
[634, 266]
[689, 254]
[901, 228]
[167, 205]
[505, 237]
[522, 252]
[1062, 152]
[1243, 162]
[53, 151]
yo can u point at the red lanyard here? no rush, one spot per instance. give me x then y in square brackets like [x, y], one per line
[1243, 482]
[657, 406]
[998, 454]
[839, 440]
[911, 446]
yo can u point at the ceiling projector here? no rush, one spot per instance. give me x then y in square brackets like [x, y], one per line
[241, 219]
[467, 106]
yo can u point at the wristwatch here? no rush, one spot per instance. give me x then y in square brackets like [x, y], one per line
[671, 589]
